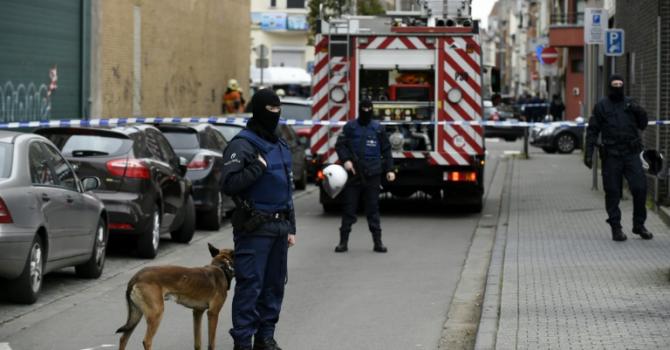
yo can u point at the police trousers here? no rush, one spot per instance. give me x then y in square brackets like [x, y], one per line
[615, 168]
[260, 277]
[352, 194]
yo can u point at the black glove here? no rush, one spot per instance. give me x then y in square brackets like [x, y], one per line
[588, 161]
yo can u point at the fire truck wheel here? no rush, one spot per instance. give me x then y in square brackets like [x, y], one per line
[476, 206]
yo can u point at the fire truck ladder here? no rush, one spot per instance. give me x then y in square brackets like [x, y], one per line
[339, 39]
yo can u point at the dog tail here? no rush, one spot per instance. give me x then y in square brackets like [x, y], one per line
[134, 312]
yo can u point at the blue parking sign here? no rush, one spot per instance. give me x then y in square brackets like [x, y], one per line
[614, 42]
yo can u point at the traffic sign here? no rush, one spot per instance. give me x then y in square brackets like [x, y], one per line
[549, 55]
[595, 25]
[614, 42]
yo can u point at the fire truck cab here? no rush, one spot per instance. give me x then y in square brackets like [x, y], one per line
[424, 78]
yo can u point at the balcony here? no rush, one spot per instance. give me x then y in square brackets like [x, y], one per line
[567, 30]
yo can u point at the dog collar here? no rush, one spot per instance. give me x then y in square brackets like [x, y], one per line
[228, 271]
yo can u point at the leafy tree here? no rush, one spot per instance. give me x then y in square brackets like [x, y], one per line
[370, 8]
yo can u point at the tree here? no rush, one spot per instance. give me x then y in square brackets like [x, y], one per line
[370, 8]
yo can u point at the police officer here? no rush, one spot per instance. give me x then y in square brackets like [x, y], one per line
[257, 173]
[619, 121]
[366, 152]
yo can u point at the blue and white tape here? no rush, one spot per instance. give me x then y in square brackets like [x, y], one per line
[294, 122]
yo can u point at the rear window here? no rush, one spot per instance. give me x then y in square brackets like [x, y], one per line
[91, 145]
[229, 131]
[298, 112]
[5, 160]
[182, 140]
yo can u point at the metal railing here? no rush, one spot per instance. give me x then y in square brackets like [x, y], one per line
[568, 19]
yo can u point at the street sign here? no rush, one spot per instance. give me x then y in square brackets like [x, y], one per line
[614, 42]
[262, 63]
[549, 55]
[595, 25]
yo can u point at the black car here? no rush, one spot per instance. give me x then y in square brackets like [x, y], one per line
[292, 140]
[202, 147]
[143, 182]
[558, 137]
[501, 113]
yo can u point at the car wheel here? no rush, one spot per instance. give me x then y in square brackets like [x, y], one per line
[566, 143]
[26, 288]
[147, 245]
[212, 219]
[475, 207]
[510, 139]
[302, 183]
[185, 232]
[549, 149]
[94, 266]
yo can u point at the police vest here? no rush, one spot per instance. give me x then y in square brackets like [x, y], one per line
[618, 126]
[365, 141]
[273, 191]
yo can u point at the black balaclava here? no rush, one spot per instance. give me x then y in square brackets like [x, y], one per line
[264, 122]
[615, 93]
[364, 117]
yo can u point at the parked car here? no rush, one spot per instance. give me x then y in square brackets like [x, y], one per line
[292, 140]
[501, 113]
[202, 147]
[48, 217]
[301, 109]
[144, 186]
[558, 137]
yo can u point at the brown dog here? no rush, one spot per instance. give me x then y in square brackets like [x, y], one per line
[197, 288]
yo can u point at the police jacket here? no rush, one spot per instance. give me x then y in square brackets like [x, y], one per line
[267, 188]
[619, 123]
[366, 146]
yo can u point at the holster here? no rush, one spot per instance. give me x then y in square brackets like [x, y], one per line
[245, 218]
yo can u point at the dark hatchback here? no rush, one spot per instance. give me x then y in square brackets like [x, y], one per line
[202, 147]
[558, 137]
[294, 143]
[501, 113]
[143, 182]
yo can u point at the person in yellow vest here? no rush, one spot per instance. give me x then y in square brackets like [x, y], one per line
[233, 101]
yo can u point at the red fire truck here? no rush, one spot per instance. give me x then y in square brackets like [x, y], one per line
[425, 80]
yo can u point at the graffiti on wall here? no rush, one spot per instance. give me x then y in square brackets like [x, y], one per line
[27, 102]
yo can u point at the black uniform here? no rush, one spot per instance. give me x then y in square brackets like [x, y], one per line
[262, 221]
[364, 143]
[619, 120]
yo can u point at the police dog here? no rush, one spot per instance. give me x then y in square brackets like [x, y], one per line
[197, 288]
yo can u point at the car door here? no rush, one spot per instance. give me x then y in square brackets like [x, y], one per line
[166, 164]
[80, 217]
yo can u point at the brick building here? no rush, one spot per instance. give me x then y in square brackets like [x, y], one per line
[646, 69]
[167, 57]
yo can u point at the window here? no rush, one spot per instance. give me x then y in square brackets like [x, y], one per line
[5, 160]
[61, 169]
[229, 131]
[273, 3]
[152, 145]
[221, 142]
[296, 111]
[40, 172]
[182, 140]
[168, 153]
[577, 66]
[295, 4]
[92, 145]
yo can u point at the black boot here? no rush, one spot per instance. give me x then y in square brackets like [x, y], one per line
[241, 347]
[642, 232]
[266, 344]
[379, 246]
[344, 239]
[618, 235]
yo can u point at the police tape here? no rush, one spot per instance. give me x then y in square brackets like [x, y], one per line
[242, 121]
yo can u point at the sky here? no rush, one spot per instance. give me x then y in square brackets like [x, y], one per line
[481, 10]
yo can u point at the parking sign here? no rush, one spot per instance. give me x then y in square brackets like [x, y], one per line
[614, 42]
[595, 24]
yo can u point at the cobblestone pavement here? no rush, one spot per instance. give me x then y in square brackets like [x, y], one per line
[565, 283]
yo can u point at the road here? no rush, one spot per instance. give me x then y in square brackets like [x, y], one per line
[356, 300]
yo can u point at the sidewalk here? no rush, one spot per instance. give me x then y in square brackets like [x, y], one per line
[558, 281]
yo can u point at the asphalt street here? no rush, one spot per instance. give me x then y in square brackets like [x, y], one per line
[356, 300]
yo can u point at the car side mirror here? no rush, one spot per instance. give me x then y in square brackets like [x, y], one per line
[90, 183]
[183, 165]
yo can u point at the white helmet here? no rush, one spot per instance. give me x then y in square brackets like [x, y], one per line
[335, 178]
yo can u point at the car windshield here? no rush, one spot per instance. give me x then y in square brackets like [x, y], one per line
[5, 160]
[229, 131]
[182, 140]
[295, 111]
[91, 145]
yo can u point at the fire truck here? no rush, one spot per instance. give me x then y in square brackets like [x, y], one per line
[424, 76]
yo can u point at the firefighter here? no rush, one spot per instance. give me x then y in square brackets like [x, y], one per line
[233, 101]
[619, 121]
[257, 175]
[366, 152]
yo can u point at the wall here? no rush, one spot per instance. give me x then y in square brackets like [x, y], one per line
[171, 57]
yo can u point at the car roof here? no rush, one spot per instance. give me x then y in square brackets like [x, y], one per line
[8, 136]
[296, 101]
[183, 127]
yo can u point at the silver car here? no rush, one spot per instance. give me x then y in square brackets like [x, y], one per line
[47, 220]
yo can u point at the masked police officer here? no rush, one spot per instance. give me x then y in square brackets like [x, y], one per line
[257, 173]
[619, 120]
[366, 152]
